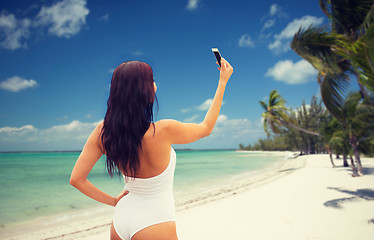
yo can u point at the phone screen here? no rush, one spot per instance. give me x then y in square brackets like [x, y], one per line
[217, 55]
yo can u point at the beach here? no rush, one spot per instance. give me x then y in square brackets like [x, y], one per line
[303, 198]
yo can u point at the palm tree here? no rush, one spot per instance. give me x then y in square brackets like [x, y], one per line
[344, 51]
[275, 115]
[358, 122]
[327, 131]
[340, 143]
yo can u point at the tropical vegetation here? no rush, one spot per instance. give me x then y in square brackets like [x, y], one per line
[312, 129]
[341, 52]
[344, 52]
[293, 130]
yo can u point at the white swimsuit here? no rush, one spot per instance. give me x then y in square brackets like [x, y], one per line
[150, 201]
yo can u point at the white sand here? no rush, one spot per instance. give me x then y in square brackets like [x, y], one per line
[298, 201]
[291, 207]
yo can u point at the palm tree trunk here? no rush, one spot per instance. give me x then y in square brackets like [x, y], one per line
[354, 169]
[331, 160]
[345, 162]
[358, 160]
[284, 123]
[353, 141]
[312, 146]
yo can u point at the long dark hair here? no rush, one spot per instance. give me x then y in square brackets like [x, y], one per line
[128, 117]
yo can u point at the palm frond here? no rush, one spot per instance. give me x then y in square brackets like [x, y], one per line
[315, 45]
[274, 127]
[336, 142]
[350, 105]
[263, 105]
[369, 41]
[348, 16]
[276, 104]
[324, 4]
[360, 57]
[366, 113]
[368, 56]
[334, 90]
[368, 21]
[358, 116]
[275, 99]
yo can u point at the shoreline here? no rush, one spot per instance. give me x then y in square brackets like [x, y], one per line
[243, 182]
[100, 216]
[302, 198]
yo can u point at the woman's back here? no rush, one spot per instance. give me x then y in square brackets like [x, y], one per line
[155, 151]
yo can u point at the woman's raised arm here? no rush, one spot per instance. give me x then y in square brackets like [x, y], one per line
[182, 133]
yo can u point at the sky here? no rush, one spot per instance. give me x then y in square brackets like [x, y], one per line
[57, 58]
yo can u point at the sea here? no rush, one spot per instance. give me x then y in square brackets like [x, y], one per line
[36, 184]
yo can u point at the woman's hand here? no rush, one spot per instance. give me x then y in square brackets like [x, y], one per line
[226, 71]
[121, 195]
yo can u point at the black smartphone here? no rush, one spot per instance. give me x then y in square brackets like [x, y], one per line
[217, 55]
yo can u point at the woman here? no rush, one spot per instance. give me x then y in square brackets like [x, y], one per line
[140, 149]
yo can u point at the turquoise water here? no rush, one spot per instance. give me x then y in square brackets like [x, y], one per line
[37, 184]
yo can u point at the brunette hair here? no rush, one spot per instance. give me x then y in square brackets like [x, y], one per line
[128, 117]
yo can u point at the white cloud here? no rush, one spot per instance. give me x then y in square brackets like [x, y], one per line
[221, 119]
[274, 9]
[202, 107]
[265, 36]
[229, 133]
[205, 105]
[275, 12]
[279, 47]
[16, 84]
[13, 131]
[239, 130]
[104, 18]
[13, 31]
[192, 5]
[65, 18]
[282, 40]
[70, 136]
[191, 119]
[185, 110]
[292, 73]
[294, 26]
[246, 41]
[268, 24]
[74, 126]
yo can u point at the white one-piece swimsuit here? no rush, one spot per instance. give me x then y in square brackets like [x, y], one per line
[150, 201]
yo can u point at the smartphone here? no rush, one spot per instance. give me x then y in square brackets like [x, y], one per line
[217, 55]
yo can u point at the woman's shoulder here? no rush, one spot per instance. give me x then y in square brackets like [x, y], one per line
[97, 132]
[97, 135]
[100, 124]
[99, 127]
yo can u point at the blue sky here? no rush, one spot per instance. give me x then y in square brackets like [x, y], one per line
[57, 57]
